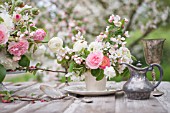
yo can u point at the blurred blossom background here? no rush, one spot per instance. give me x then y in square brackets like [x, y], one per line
[62, 18]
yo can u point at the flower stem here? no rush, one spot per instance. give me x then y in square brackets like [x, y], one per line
[13, 7]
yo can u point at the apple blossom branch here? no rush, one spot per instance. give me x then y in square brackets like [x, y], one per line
[146, 33]
[33, 68]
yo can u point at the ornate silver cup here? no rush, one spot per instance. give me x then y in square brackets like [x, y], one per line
[153, 49]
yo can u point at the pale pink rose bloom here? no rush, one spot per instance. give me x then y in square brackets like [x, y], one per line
[3, 34]
[18, 48]
[94, 60]
[39, 35]
[17, 17]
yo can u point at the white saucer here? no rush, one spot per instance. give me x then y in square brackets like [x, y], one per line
[81, 90]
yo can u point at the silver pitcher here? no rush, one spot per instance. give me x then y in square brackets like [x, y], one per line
[138, 87]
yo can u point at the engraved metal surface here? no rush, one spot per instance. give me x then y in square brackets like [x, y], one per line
[153, 50]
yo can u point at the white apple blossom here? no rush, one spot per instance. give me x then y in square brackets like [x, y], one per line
[40, 51]
[118, 24]
[109, 72]
[121, 68]
[127, 34]
[107, 29]
[75, 78]
[101, 37]
[62, 52]
[117, 18]
[25, 17]
[78, 36]
[106, 45]
[79, 45]
[8, 22]
[67, 57]
[95, 46]
[59, 58]
[118, 40]
[55, 44]
[111, 18]
[126, 20]
[117, 21]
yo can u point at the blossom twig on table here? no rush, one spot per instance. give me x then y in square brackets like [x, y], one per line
[32, 68]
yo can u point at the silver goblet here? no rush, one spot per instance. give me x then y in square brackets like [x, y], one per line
[153, 52]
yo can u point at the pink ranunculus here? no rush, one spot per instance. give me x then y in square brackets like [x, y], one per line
[105, 63]
[94, 60]
[3, 34]
[18, 48]
[17, 17]
[39, 35]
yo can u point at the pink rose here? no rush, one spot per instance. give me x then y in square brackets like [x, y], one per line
[105, 62]
[17, 17]
[18, 48]
[39, 35]
[3, 34]
[94, 60]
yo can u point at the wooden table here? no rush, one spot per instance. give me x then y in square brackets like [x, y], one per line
[117, 103]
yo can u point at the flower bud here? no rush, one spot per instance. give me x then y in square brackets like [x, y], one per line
[17, 17]
[19, 3]
[35, 11]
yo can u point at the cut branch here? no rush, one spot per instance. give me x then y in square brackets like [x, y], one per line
[131, 17]
[140, 38]
[33, 69]
[103, 4]
[148, 31]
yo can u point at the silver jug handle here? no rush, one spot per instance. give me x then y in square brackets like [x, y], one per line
[151, 67]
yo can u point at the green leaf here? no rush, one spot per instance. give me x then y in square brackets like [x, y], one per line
[38, 64]
[133, 58]
[111, 27]
[98, 73]
[35, 48]
[24, 62]
[33, 28]
[2, 73]
[118, 78]
[1, 20]
[34, 72]
[95, 72]
[71, 66]
[100, 77]
[23, 29]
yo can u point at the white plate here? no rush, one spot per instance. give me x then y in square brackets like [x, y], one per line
[81, 90]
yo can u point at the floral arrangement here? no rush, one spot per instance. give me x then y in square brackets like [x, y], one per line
[18, 34]
[102, 57]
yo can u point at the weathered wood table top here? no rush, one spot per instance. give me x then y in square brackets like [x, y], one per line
[117, 103]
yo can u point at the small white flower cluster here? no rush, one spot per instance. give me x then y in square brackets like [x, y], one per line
[79, 45]
[101, 37]
[95, 46]
[78, 36]
[115, 20]
[64, 53]
[109, 72]
[77, 59]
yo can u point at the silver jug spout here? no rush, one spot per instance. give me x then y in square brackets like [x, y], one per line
[132, 67]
